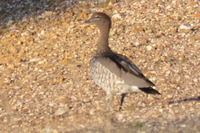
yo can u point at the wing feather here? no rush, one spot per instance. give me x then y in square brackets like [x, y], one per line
[130, 70]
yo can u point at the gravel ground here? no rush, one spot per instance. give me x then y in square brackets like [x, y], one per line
[45, 53]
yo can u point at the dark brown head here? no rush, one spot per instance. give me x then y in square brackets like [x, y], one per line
[100, 20]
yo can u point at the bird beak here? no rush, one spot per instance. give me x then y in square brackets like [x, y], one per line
[88, 21]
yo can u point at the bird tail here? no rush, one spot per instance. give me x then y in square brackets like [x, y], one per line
[150, 90]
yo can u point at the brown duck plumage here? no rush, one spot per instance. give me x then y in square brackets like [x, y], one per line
[114, 72]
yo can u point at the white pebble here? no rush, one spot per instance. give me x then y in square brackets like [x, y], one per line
[117, 16]
[149, 48]
[60, 111]
[185, 27]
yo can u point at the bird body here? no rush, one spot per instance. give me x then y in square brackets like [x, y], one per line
[110, 74]
[113, 72]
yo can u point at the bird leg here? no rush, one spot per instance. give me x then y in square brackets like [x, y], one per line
[109, 100]
[122, 100]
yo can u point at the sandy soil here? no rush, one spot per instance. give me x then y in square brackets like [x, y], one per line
[44, 57]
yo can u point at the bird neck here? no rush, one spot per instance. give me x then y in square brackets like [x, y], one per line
[102, 44]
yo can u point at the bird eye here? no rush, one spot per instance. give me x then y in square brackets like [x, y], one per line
[97, 16]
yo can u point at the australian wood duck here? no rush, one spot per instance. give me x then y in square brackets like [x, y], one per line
[114, 72]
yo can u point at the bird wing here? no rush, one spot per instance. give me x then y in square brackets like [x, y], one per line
[129, 67]
[126, 70]
[124, 63]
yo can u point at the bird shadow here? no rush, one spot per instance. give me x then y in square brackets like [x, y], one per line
[185, 100]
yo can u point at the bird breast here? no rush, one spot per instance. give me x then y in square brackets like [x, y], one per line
[108, 76]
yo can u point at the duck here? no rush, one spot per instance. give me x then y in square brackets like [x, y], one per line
[114, 72]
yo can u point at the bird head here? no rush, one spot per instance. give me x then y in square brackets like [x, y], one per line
[100, 20]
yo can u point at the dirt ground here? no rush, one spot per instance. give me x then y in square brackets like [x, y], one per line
[44, 58]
